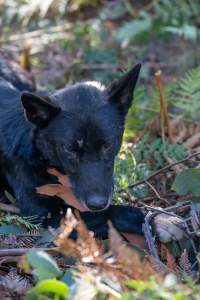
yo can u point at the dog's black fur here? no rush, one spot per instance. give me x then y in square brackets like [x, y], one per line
[77, 130]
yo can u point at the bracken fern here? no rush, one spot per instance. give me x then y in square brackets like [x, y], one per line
[187, 94]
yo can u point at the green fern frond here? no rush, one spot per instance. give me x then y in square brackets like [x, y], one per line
[187, 94]
[177, 12]
[28, 223]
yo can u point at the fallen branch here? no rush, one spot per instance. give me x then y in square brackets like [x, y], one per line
[9, 208]
[36, 33]
[9, 259]
[87, 67]
[22, 251]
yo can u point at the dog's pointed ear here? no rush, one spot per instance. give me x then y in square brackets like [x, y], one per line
[120, 91]
[39, 110]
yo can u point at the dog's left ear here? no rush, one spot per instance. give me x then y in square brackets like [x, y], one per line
[120, 91]
[38, 110]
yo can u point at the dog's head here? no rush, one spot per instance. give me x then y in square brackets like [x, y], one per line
[79, 131]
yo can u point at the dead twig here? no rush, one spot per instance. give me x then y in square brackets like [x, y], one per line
[36, 34]
[151, 198]
[22, 251]
[163, 109]
[9, 208]
[88, 67]
[161, 171]
[161, 106]
[193, 140]
[157, 194]
[9, 260]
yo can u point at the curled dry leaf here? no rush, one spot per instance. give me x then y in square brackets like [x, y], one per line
[61, 190]
[130, 261]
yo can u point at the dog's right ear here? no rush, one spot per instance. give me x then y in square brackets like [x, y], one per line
[38, 110]
[120, 91]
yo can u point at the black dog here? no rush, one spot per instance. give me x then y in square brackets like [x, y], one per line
[79, 131]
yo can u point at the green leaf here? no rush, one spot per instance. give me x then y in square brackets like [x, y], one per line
[156, 144]
[127, 297]
[130, 29]
[10, 197]
[187, 31]
[188, 181]
[159, 158]
[58, 289]
[147, 154]
[45, 267]
[140, 286]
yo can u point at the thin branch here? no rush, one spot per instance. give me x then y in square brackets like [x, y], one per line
[9, 259]
[37, 33]
[172, 196]
[113, 67]
[161, 171]
[22, 251]
[162, 119]
[163, 108]
[9, 208]
[157, 194]
[130, 9]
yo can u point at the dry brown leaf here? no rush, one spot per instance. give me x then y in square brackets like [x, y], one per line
[182, 134]
[193, 141]
[189, 135]
[136, 239]
[170, 260]
[61, 190]
[130, 260]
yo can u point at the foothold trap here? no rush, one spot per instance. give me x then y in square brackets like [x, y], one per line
[190, 224]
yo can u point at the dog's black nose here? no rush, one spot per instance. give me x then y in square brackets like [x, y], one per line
[96, 202]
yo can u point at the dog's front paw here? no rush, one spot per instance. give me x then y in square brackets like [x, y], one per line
[169, 228]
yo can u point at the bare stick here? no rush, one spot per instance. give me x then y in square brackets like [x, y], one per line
[37, 33]
[22, 251]
[157, 194]
[9, 208]
[162, 170]
[113, 67]
[9, 259]
[163, 108]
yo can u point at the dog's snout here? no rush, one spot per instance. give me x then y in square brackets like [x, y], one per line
[96, 202]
